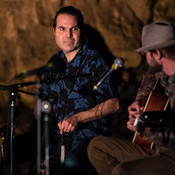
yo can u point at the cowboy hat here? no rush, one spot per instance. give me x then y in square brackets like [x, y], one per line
[157, 35]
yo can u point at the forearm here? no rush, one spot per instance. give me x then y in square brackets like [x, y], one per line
[99, 111]
[146, 86]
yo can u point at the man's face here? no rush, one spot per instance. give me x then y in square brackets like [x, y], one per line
[67, 33]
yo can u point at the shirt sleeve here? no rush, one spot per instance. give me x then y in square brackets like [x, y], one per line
[146, 86]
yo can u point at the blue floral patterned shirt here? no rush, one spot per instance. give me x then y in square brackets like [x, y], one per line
[73, 83]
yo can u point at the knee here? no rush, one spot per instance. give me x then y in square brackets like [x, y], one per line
[71, 163]
[75, 161]
[91, 146]
[94, 146]
[72, 167]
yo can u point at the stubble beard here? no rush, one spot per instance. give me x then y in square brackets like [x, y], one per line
[71, 46]
[155, 66]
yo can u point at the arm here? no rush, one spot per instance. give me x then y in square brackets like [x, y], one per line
[136, 108]
[99, 111]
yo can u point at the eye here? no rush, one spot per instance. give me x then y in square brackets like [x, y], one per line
[61, 28]
[75, 28]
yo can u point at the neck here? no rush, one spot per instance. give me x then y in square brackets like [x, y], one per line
[70, 55]
[169, 66]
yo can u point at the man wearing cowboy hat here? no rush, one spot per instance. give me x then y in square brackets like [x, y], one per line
[119, 156]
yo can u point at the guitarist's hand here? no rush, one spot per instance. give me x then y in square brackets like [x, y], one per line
[134, 111]
[68, 124]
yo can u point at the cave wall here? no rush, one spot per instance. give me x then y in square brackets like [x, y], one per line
[27, 40]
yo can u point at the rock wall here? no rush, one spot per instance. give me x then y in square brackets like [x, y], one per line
[27, 40]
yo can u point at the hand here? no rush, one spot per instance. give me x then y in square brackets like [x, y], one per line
[68, 124]
[130, 125]
[134, 111]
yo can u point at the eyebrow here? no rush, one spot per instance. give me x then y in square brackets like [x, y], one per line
[71, 27]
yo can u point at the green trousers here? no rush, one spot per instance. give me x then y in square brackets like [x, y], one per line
[114, 156]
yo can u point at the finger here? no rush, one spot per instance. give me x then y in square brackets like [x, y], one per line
[72, 129]
[69, 127]
[141, 108]
[66, 126]
[132, 112]
[60, 127]
[130, 117]
[131, 126]
[63, 125]
[61, 132]
[133, 116]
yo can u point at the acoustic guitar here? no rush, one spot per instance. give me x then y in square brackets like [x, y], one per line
[157, 101]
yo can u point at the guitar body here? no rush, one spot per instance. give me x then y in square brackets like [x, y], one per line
[157, 101]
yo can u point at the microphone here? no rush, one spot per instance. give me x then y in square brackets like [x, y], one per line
[38, 71]
[118, 63]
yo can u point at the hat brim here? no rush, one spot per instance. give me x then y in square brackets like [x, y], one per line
[157, 46]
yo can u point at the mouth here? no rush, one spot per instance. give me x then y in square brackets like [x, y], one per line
[69, 41]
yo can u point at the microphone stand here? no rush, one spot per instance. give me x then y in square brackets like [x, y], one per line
[10, 126]
[12, 97]
[62, 153]
[38, 118]
[46, 108]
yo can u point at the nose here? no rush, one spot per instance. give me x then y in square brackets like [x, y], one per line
[69, 33]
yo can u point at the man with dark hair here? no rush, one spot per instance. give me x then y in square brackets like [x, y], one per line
[119, 156]
[80, 111]
[71, 11]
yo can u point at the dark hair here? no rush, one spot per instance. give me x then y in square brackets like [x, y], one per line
[71, 11]
[168, 52]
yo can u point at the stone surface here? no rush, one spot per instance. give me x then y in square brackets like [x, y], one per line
[112, 26]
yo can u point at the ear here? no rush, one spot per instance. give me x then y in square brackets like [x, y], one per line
[158, 54]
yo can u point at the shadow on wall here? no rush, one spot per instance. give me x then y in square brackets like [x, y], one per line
[95, 40]
[123, 78]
